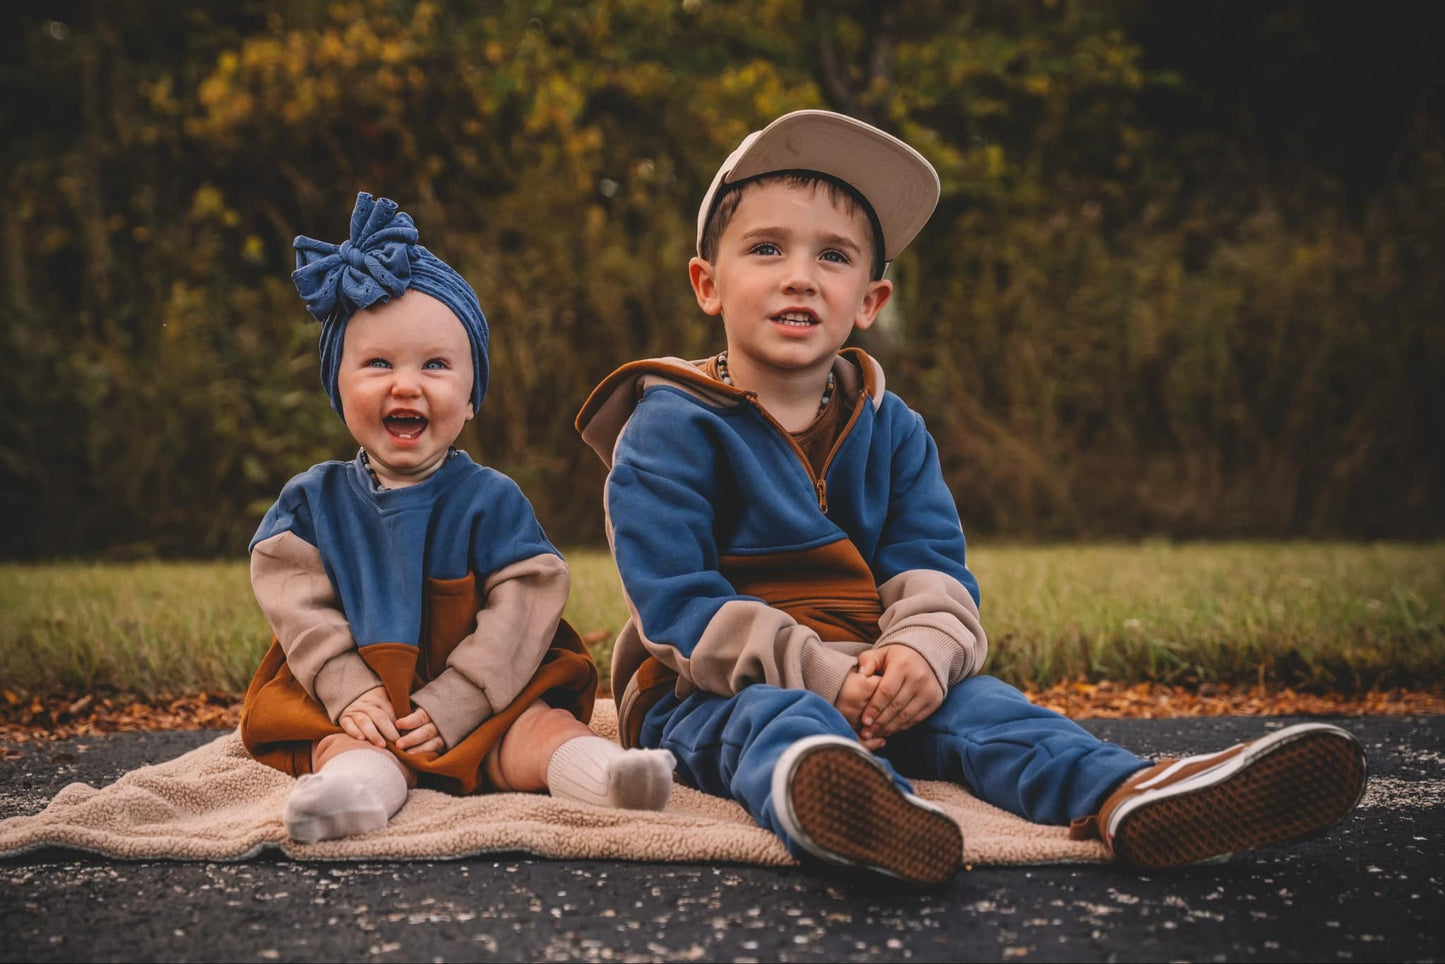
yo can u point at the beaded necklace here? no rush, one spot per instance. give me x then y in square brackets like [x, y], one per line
[376, 480]
[726, 379]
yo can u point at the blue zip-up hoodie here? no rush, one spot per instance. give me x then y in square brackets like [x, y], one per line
[741, 565]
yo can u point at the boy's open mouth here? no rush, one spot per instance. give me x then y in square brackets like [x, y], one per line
[405, 424]
[796, 319]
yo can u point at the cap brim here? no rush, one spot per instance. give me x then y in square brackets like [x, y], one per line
[896, 180]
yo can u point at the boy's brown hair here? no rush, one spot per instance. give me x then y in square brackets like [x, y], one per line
[840, 192]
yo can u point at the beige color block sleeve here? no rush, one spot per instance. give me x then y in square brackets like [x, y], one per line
[935, 615]
[302, 607]
[490, 666]
[749, 642]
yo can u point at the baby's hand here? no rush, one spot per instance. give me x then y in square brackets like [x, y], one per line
[907, 691]
[858, 688]
[370, 717]
[419, 733]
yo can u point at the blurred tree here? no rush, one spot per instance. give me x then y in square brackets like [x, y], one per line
[1184, 278]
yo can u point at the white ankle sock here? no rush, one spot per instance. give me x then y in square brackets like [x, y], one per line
[589, 769]
[355, 792]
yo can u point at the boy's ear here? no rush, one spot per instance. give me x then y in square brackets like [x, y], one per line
[704, 285]
[873, 301]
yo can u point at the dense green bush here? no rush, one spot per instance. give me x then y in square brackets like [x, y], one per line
[1185, 277]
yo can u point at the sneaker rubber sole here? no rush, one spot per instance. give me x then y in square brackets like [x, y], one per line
[840, 805]
[1281, 788]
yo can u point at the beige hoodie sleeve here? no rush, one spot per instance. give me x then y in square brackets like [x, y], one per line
[748, 642]
[934, 614]
[491, 665]
[301, 604]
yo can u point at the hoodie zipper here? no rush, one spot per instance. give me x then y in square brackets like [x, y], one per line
[820, 482]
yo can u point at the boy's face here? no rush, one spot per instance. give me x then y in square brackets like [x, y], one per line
[406, 385]
[792, 279]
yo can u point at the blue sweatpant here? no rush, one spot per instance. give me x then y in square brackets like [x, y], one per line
[1019, 757]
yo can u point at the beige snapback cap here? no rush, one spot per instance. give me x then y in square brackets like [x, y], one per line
[896, 180]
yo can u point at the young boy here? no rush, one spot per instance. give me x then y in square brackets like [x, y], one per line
[794, 563]
[416, 602]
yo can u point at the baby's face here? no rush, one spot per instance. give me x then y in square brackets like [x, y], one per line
[406, 385]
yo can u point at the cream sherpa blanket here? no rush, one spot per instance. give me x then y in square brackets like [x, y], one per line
[216, 803]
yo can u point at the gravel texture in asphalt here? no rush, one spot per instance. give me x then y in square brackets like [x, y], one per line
[1368, 891]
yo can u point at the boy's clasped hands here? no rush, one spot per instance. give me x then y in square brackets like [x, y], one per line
[892, 689]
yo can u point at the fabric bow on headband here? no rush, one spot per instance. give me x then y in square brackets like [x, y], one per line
[375, 265]
[380, 262]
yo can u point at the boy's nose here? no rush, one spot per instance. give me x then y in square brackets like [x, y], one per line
[798, 278]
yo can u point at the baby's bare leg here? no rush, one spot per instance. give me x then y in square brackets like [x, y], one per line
[519, 760]
[550, 749]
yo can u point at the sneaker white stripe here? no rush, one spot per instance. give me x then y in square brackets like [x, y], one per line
[1166, 773]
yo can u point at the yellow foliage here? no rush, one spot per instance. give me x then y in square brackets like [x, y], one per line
[208, 201]
[392, 51]
[423, 18]
[993, 155]
[253, 249]
[1307, 255]
[331, 51]
[555, 105]
[161, 96]
[184, 302]
[596, 221]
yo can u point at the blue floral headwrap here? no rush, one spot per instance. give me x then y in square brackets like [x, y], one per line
[380, 262]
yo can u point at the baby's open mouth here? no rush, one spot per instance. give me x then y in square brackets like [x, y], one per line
[796, 319]
[407, 425]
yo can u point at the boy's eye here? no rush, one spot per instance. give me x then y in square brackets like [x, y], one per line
[767, 249]
[836, 256]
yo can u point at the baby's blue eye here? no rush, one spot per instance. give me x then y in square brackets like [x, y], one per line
[436, 363]
[377, 363]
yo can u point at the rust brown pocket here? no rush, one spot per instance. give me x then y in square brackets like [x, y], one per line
[829, 589]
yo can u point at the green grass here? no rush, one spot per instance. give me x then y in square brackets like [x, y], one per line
[1319, 616]
[1316, 616]
[146, 627]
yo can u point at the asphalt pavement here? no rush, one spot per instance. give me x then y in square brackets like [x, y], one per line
[1368, 891]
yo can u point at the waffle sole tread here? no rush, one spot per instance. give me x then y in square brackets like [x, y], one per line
[1297, 791]
[850, 808]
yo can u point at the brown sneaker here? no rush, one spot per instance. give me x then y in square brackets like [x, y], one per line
[839, 804]
[1292, 784]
